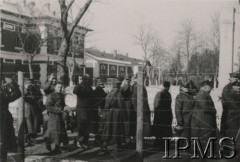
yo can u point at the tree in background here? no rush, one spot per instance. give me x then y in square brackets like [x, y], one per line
[67, 33]
[186, 38]
[29, 35]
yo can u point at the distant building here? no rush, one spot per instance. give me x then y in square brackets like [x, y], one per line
[15, 19]
[105, 65]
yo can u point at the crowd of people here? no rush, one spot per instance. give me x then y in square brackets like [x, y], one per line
[196, 113]
[112, 116]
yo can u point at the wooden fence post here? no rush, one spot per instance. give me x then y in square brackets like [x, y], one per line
[21, 117]
[140, 117]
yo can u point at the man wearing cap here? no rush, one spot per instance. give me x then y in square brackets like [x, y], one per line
[162, 115]
[116, 117]
[184, 109]
[56, 132]
[203, 124]
[99, 103]
[85, 96]
[126, 91]
[231, 107]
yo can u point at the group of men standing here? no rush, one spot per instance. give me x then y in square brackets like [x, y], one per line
[196, 113]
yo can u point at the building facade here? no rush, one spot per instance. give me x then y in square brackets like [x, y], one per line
[106, 65]
[24, 25]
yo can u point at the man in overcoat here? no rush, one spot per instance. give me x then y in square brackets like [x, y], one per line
[203, 124]
[126, 91]
[56, 132]
[183, 109]
[230, 102]
[162, 123]
[230, 122]
[85, 97]
[9, 92]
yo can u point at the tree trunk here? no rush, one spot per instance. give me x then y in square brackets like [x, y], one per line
[62, 58]
[30, 67]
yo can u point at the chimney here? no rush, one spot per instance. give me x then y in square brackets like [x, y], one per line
[127, 54]
[115, 53]
[54, 13]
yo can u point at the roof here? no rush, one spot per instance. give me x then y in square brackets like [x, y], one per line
[31, 11]
[119, 57]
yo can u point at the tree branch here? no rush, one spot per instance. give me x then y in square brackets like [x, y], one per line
[78, 17]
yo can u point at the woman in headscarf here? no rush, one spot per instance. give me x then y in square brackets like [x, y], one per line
[116, 117]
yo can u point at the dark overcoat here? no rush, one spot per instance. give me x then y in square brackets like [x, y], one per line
[7, 135]
[230, 122]
[126, 91]
[183, 109]
[203, 124]
[56, 132]
[85, 107]
[162, 114]
[146, 109]
[116, 117]
[99, 103]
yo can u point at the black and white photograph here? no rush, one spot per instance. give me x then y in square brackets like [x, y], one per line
[120, 80]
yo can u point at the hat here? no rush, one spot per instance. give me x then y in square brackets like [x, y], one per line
[128, 77]
[99, 82]
[185, 84]
[236, 83]
[166, 84]
[206, 82]
[235, 75]
[116, 84]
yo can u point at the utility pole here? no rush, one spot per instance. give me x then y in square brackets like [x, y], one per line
[21, 117]
[140, 117]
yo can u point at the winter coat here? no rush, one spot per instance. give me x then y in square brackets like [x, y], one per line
[85, 97]
[183, 109]
[146, 109]
[7, 133]
[116, 117]
[162, 114]
[230, 122]
[126, 92]
[203, 124]
[56, 132]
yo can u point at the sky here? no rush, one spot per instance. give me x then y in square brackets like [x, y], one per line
[114, 22]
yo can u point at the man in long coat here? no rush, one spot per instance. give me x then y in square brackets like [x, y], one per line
[99, 104]
[126, 91]
[56, 132]
[116, 117]
[84, 109]
[183, 109]
[203, 124]
[230, 122]
[8, 93]
[162, 123]
[230, 102]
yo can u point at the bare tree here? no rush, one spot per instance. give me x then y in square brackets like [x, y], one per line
[29, 36]
[67, 33]
[144, 39]
[160, 57]
[186, 38]
[215, 32]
